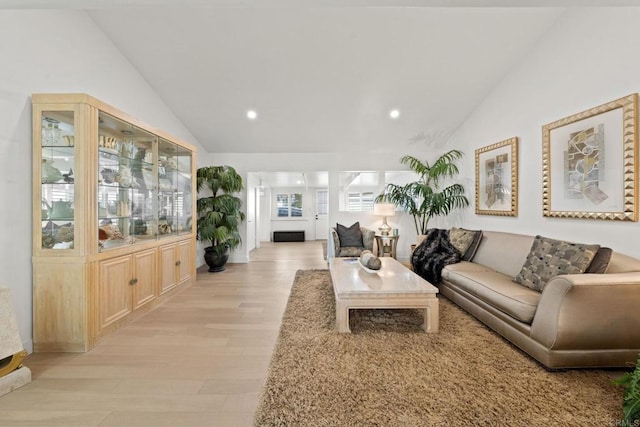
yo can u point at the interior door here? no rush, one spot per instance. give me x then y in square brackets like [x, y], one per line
[322, 213]
[251, 220]
[256, 222]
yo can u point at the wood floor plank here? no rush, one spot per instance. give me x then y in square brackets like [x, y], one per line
[198, 359]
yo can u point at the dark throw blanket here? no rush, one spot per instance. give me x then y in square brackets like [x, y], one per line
[433, 254]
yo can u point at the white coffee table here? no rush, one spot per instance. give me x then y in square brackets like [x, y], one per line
[393, 286]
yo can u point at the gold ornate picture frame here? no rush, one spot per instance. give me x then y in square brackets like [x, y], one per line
[589, 162]
[497, 178]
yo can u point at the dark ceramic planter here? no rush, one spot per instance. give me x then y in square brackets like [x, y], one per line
[215, 262]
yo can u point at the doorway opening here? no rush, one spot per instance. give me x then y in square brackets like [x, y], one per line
[286, 201]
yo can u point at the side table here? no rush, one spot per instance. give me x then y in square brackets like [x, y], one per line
[387, 245]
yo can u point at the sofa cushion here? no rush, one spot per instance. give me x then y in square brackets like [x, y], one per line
[464, 266]
[350, 236]
[623, 264]
[350, 251]
[550, 257]
[496, 289]
[503, 252]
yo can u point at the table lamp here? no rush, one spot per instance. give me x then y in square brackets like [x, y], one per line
[384, 210]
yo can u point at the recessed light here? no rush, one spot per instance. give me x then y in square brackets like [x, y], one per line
[394, 114]
[252, 115]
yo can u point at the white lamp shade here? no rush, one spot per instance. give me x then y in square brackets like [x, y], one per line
[384, 209]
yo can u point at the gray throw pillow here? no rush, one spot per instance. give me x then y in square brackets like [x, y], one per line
[549, 258]
[600, 262]
[350, 236]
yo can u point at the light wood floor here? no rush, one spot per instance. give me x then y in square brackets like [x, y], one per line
[199, 359]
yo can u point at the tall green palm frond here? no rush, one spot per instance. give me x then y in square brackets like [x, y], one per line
[424, 199]
[630, 381]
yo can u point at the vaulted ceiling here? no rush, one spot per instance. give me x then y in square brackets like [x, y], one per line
[322, 79]
[322, 76]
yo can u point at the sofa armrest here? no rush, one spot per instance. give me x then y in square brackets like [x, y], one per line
[589, 311]
[333, 244]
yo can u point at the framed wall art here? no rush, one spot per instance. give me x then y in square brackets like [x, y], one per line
[589, 163]
[497, 178]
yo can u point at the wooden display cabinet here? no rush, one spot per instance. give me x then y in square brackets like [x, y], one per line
[112, 223]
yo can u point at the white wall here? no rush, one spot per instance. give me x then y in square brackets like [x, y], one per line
[265, 215]
[54, 51]
[252, 212]
[589, 57]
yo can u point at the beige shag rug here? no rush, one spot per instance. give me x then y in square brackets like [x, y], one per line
[390, 373]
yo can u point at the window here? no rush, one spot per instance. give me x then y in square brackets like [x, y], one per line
[360, 202]
[357, 190]
[322, 202]
[289, 205]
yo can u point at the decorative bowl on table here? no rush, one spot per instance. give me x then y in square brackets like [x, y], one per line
[369, 262]
[368, 270]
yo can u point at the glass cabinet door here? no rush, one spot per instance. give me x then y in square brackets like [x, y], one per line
[167, 188]
[184, 196]
[127, 185]
[58, 190]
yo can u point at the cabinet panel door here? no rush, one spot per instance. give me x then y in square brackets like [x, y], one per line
[60, 296]
[114, 294]
[144, 274]
[167, 267]
[185, 251]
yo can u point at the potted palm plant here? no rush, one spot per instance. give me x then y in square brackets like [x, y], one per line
[630, 381]
[424, 198]
[219, 213]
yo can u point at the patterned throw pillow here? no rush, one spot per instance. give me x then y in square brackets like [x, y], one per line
[473, 248]
[368, 237]
[549, 258]
[461, 239]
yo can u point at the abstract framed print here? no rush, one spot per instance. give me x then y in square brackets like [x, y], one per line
[589, 163]
[497, 178]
